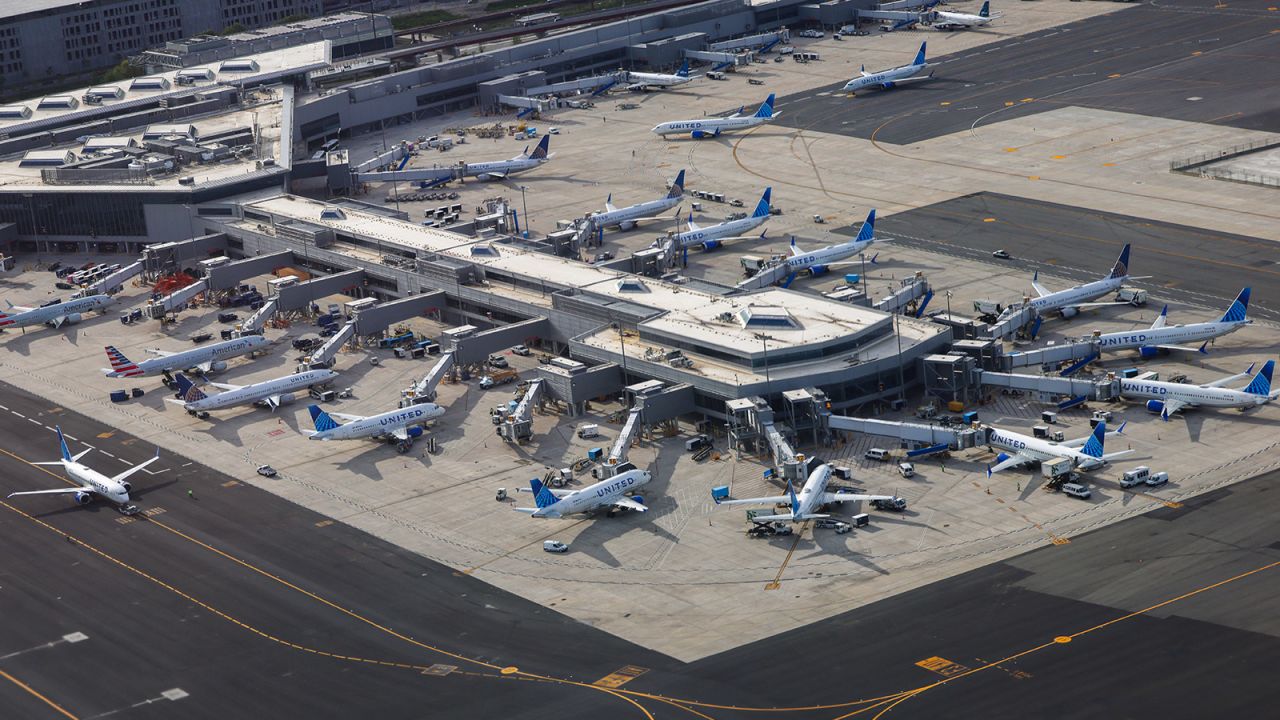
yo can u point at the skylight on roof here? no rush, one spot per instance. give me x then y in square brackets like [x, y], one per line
[760, 316]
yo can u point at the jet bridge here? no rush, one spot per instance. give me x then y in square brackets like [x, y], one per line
[588, 83]
[752, 420]
[1048, 386]
[1080, 353]
[384, 159]
[176, 299]
[618, 455]
[768, 275]
[258, 320]
[1012, 320]
[323, 357]
[719, 58]
[751, 41]
[424, 390]
[518, 426]
[115, 279]
[916, 434]
[909, 290]
[428, 175]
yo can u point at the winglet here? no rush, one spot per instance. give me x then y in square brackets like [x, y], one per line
[988, 470]
[1204, 348]
[1120, 430]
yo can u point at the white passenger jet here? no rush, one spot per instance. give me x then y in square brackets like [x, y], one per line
[271, 393]
[500, 169]
[1027, 449]
[627, 217]
[1167, 398]
[713, 236]
[644, 80]
[607, 494]
[819, 261]
[209, 358]
[1160, 336]
[805, 506]
[712, 127]
[401, 425]
[943, 20]
[54, 314]
[891, 78]
[1069, 301]
[90, 482]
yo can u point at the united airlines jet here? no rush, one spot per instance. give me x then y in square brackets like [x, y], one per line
[606, 494]
[1164, 337]
[627, 217]
[804, 506]
[1167, 398]
[893, 77]
[1086, 453]
[90, 482]
[713, 236]
[401, 425]
[712, 127]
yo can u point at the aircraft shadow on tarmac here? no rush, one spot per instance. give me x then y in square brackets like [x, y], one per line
[20, 342]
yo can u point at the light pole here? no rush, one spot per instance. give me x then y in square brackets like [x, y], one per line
[948, 305]
[764, 340]
[866, 298]
[622, 345]
[525, 208]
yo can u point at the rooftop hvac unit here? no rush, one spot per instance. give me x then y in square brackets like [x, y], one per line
[150, 83]
[239, 66]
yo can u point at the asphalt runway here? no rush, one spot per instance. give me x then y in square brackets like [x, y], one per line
[1185, 61]
[1082, 245]
[240, 604]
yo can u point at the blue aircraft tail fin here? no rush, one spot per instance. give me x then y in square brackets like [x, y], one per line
[1261, 384]
[986, 9]
[1093, 447]
[1239, 309]
[321, 419]
[920, 55]
[542, 495]
[684, 69]
[1121, 268]
[187, 390]
[540, 152]
[677, 187]
[868, 230]
[62, 443]
[766, 108]
[762, 208]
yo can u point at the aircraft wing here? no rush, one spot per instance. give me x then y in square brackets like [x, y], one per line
[205, 366]
[1181, 348]
[58, 321]
[125, 475]
[774, 500]
[344, 416]
[1080, 441]
[1230, 379]
[493, 175]
[839, 497]
[159, 353]
[1010, 462]
[1097, 304]
[19, 308]
[272, 401]
[58, 491]
[786, 517]
[626, 503]
[1035, 284]
[1171, 407]
[226, 386]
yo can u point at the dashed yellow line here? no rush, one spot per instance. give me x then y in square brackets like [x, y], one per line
[36, 694]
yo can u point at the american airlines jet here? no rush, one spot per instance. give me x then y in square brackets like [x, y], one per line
[712, 127]
[818, 261]
[713, 236]
[1167, 398]
[90, 482]
[607, 494]
[401, 425]
[1160, 336]
[893, 77]
[804, 506]
[209, 358]
[54, 314]
[270, 393]
[1069, 301]
[943, 20]
[1027, 449]
[627, 217]
[500, 169]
